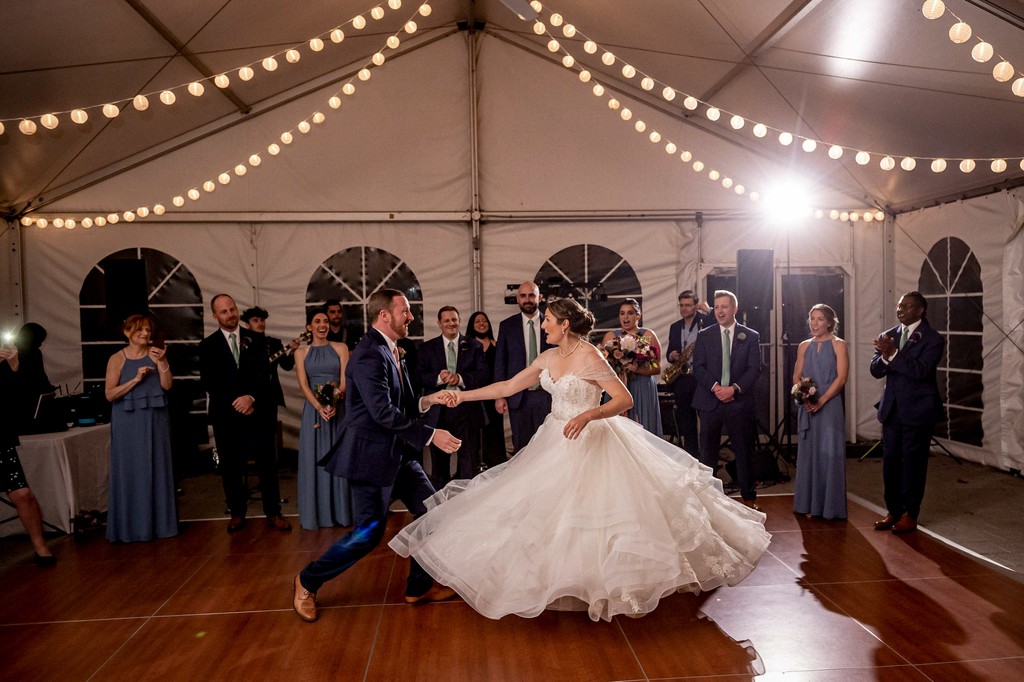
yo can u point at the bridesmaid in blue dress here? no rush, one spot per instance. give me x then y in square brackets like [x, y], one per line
[323, 499]
[821, 454]
[642, 382]
[142, 505]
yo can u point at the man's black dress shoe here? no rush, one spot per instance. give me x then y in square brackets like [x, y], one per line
[236, 524]
[45, 561]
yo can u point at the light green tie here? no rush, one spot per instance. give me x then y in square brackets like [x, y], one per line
[451, 357]
[904, 336]
[234, 347]
[726, 352]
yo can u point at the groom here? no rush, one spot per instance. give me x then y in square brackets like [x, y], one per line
[376, 451]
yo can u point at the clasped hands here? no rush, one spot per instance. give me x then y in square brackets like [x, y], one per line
[444, 397]
[725, 394]
[885, 346]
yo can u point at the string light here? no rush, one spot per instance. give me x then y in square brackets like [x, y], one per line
[224, 178]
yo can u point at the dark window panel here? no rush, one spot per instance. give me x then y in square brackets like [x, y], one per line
[965, 390]
[965, 426]
[964, 352]
[938, 312]
[966, 313]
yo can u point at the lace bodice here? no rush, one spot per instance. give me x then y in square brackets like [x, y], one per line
[570, 395]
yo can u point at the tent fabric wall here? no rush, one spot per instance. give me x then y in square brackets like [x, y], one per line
[991, 227]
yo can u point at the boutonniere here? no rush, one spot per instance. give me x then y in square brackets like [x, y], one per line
[401, 353]
[246, 342]
[742, 336]
[915, 337]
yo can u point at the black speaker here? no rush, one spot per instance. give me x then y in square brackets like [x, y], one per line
[755, 281]
[124, 282]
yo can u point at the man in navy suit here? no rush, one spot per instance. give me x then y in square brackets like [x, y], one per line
[376, 451]
[519, 342]
[456, 363]
[234, 370]
[726, 365]
[681, 335]
[907, 356]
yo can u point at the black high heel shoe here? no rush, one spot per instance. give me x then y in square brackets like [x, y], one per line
[44, 561]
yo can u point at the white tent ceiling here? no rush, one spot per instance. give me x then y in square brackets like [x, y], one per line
[865, 74]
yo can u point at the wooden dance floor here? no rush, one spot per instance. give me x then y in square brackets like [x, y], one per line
[831, 601]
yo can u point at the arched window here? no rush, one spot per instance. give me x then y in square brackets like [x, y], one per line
[352, 275]
[951, 280]
[597, 277]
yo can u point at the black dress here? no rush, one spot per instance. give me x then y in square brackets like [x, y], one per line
[493, 440]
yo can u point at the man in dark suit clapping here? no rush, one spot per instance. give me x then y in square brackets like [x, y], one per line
[235, 373]
[907, 356]
[519, 342]
[456, 363]
[376, 451]
[726, 364]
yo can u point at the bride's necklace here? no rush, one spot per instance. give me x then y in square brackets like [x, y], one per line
[578, 342]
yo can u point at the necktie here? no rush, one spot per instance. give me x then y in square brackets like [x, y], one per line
[726, 351]
[532, 355]
[451, 357]
[903, 338]
[398, 361]
[234, 347]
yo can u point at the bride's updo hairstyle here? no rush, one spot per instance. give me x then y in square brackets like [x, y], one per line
[581, 321]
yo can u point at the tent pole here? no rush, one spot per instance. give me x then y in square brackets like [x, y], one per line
[13, 310]
[476, 285]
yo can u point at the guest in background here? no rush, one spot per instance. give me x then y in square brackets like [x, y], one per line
[821, 420]
[235, 373]
[726, 364]
[255, 319]
[32, 381]
[336, 317]
[642, 379]
[453, 362]
[519, 343]
[324, 500]
[142, 503]
[908, 357]
[12, 476]
[682, 338]
[493, 451]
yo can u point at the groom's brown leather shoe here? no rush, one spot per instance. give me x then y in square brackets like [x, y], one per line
[304, 602]
[905, 525]
[236, 524]
[279, 523]
[885, 523]
[437, 592]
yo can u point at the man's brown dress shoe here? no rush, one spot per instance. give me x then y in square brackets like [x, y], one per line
[886, 523]
[304, 602]
[279, 523]
[437, 592]
[752, 504]
[236, 524]
[905, 525]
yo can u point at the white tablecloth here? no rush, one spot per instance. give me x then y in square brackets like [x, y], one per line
[67, 472]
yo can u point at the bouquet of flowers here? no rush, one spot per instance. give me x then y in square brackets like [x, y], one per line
[628, 349]
[327, 395]
[804, 391]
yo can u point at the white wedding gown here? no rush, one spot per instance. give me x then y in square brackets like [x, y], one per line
[608, 523]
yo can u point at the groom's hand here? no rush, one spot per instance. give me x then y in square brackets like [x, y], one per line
[442, 397]
[445, 441]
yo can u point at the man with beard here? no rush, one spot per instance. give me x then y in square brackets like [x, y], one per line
[520, 341]
[336, 319]
[376, 452]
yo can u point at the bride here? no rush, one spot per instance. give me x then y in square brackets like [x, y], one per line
[594, 514]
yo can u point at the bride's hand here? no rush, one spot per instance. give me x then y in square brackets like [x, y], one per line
[574, 427]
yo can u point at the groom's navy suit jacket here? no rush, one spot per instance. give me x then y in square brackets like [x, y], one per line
[380, 428]
[911, 389]
[744, 366]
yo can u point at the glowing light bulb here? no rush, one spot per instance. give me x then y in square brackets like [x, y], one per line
[556, 19]
[568, 61]
[273, 149]
[835, 152]
[690, 103]
[698, 166]
[727, 182]
[292, 56]
[364, 74]
[713, 175]
[685, 156]
[113, 218]
[129, 217]
[539, 28]
[654, 137]
[647, 83]
[809, 145]
[79, 116]
[337, 35]
[303, 127]
[270, 64]
[196, 89]
[553, 45]
[713, 114]
[608, 59]
[568, 30]
[737, 122]
[393, 42]
[862, 158]
[395, 4]
[967, 165]
[158, 209]
[1018, 87]
[584, 76]
[887, 163]
[348, 88]
[739, 189]
[938, 165]
[982, 52]
[286, 137]
[640, 126]
[960, 32]
[318, 117]
[377, 58]
[316, 44]
[410, 27]
[628, 71]
[908, 163]
[785, 138]
[598, 89]
[58, 222]
[425, 10]
[100, 221]
[140, 102]
[759, 130]
[255, 160]
[142, 211]
[670, 148]
[27, 127]
[669, 94]
[221, 80]
[49, 121]
[1003, 71]
[111, 110]
[590, 47]
[167, 97]
[933, 9]
[87, 223]
[359, 22]
[224, 178]
[614, 104]
[377, 13]
[209, 186]
[833, 214]
[998, 165]
[246, 73]
[42, 222]
[178, 201]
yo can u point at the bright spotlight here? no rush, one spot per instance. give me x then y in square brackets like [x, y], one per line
[789, 201]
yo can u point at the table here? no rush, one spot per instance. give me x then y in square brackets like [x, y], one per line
[67, 472]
